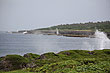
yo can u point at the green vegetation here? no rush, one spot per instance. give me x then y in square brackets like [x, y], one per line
[71, 61]
[12, 62]
[17, 71]
[103, 26]
[31, 56]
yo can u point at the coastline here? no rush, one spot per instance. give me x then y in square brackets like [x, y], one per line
[67, 33]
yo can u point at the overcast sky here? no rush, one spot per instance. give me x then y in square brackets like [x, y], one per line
[31, 14]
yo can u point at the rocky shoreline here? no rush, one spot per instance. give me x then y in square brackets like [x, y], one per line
[68, 33]
[97, 61]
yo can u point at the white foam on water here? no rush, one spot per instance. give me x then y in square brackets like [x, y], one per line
[101, 39]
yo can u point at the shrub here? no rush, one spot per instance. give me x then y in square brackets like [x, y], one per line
[13, 62]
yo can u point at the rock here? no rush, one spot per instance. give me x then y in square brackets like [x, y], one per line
[47, 55]
[30, 65]
[91, 53]
[42, 57]
[67, 53]
[31, 56]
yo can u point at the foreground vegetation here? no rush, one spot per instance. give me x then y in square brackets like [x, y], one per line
[71, 61]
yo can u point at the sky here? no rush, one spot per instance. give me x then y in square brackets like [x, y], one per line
[33, 14]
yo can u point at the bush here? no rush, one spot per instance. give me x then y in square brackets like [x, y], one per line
[13, 62]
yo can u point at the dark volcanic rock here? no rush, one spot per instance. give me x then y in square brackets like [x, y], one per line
[67, 53]
[47, 55]
[31, 55]
[91, 53]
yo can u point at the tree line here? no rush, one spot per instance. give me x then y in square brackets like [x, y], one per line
[102, 26]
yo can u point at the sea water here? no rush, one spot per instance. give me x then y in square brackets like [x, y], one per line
[39, 44]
